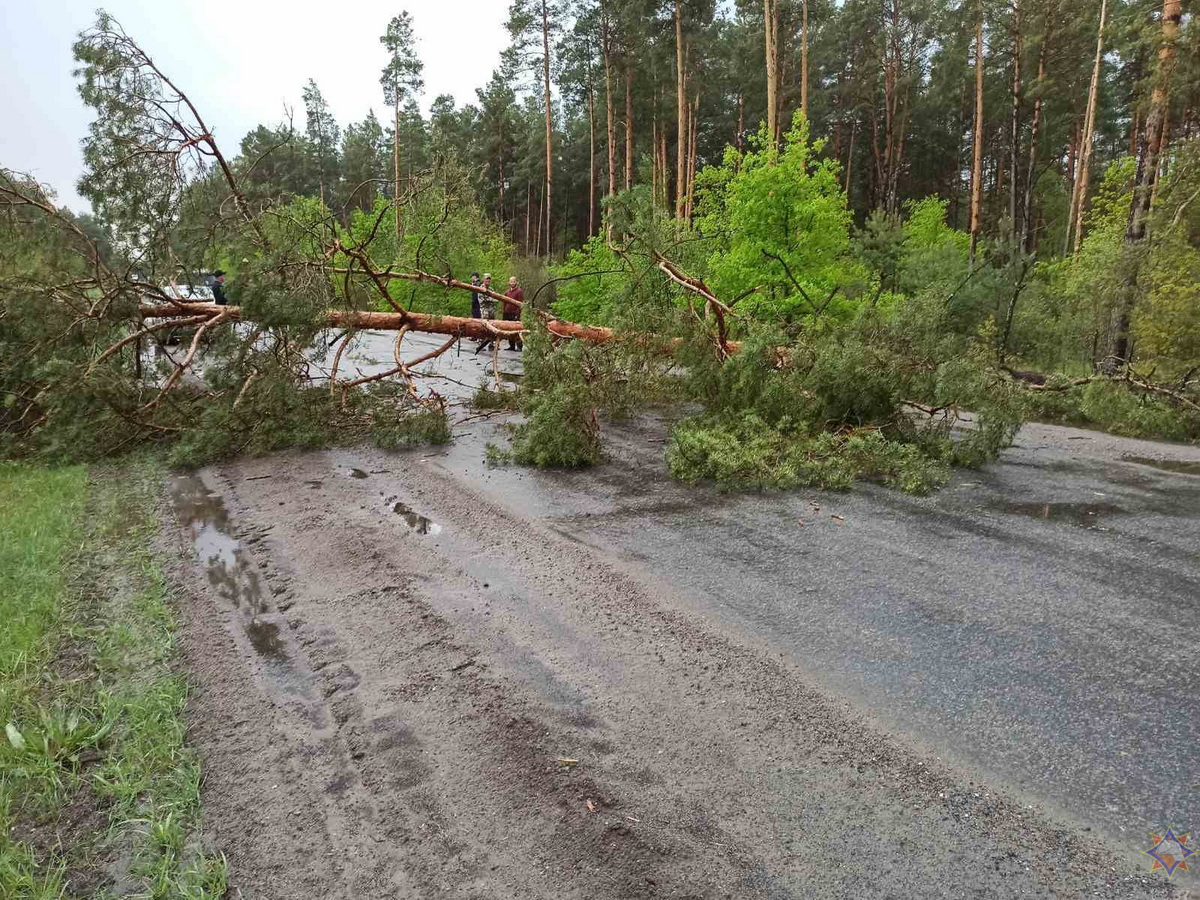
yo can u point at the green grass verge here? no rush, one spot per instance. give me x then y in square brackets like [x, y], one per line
[99, 794]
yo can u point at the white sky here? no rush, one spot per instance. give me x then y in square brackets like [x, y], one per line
[241, 61]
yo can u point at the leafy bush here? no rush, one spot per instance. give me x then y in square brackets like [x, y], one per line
[591, 299]
[781, 229]
[1115, 408]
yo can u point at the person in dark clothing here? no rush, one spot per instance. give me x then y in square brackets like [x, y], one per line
[512, 312]
[218, 288]
[475, 314]
[487, 309]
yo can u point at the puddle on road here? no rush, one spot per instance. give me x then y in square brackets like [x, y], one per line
[265, 639]
[226, 563]
[358, 473]
[1179, 467]
[1083, 515]
[417, 522]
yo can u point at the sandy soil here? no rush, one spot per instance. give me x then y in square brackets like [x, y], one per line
[415, 679]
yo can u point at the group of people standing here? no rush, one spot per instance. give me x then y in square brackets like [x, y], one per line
[484, 307]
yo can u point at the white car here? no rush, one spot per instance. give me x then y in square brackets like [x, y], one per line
[189, 293]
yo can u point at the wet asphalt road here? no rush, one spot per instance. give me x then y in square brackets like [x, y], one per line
[1034, 622]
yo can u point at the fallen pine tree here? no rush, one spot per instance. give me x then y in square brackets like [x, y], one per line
[817, 401]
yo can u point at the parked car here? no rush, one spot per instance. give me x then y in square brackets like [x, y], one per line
[186, 292]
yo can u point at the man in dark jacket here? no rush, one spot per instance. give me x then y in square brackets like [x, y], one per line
[512, 311]
[218, 288]
[475, 297]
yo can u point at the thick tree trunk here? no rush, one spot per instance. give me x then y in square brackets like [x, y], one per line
[1079, 195]
[681, 112]
[772, 55]
[479, 329]
[804, 59]
[1147, 174]
[977, 157]
[549, 129]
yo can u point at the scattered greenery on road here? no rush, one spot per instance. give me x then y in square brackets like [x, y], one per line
[98, 792]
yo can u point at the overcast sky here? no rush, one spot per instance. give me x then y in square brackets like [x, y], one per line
[241, 61]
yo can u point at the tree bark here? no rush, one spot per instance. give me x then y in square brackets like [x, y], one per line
[1027, 231]
[628, 124]
[691, 169]
[850, 155]
[681, 112]
[1014, 138]
[549, 127]
[591, 161]
[606, 49]
[738, 139]
[772, 55]
[500, 161]
[479, 329]
[804, 59]
[541, 220]
[977, 158]
[528, 212]
[396, 161]
[1079, 195]
[1147, 175]
[1072, 180]
[665, 167]
[654, 155]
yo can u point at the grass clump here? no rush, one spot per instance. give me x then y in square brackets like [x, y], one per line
[93, 712]
[39, 510]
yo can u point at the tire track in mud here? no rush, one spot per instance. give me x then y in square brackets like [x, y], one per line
[435, 676]
[373, 750]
